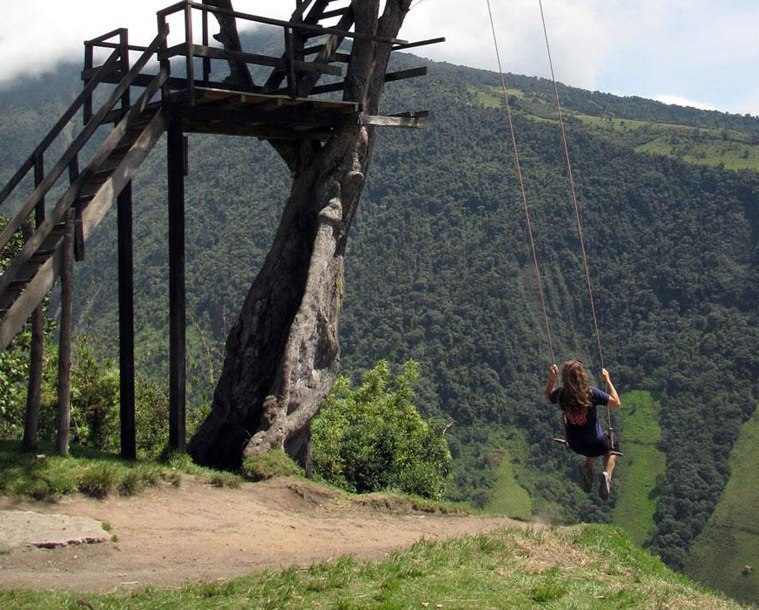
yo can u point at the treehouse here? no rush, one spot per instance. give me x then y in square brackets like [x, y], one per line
[188, 79]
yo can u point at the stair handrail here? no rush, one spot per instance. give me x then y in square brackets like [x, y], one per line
[68, 198]
[106, 68]
[73, 150]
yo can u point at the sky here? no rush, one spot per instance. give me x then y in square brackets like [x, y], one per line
[697, 53]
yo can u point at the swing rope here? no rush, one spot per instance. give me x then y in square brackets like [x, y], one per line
[575, 203]
[573, 192]
[580, 232]
[518, 167]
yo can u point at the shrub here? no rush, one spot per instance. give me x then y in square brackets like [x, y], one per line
[372, 438]
[99, 480]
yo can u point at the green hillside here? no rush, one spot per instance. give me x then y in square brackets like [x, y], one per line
[438, 269]
[730, 541]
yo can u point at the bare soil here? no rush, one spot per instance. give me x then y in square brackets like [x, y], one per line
[168, 536]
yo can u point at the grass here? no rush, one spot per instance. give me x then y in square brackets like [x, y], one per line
[275, 463]
[507, 496]
[95, 474]
[730, 539]
[733, 150]
[579, 567]
[640, 466]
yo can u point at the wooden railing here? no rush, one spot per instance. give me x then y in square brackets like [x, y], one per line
[45, 223]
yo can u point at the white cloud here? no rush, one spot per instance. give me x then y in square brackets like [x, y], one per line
[693, 49]
[678, 100]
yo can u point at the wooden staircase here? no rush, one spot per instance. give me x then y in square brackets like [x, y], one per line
[90, 192]
[289, 105]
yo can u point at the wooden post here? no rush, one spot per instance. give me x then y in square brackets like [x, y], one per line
[292, 82]
[126, 325]
[30, 439]
[190, 53]
[126, 295]
[177, 347]
[34, 387]
[64, 347]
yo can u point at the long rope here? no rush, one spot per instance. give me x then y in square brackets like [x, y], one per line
[521, 186]
[574, 200]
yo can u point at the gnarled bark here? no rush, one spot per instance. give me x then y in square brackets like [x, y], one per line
[283, 354]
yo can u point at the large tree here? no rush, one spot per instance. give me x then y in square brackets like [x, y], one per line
[282, 354]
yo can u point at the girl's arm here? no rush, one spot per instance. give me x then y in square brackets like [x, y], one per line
[553, 374]
[611, 390]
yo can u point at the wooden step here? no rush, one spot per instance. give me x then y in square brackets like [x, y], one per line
[40, 256]
[106, 169]
[19, 285]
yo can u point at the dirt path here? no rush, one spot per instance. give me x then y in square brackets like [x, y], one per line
[168, 536]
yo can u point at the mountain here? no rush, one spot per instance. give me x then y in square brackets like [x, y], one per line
[439, 269]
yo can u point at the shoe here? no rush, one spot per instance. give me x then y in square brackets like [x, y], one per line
[586, 478]
[604, 485]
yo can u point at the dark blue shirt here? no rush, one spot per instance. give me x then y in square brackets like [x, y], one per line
[583, 430]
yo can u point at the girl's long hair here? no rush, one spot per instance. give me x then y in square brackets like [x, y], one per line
[575, 390]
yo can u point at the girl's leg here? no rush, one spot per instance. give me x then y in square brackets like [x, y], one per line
[610, 460]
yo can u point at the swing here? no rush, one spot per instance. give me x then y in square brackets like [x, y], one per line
[565, 443]
[610, 430]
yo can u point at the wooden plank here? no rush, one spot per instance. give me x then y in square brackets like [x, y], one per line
[402, 74]
[263, 60]
[253, 98]
[335, 57]
[251, 116]
[413, 121]
[250, 58]
[419, 43]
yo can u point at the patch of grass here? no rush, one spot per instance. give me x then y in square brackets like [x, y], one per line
[273, 463]
[508, 497]
[579, 567]
[99, 480]
[46, 477]
[225, 479]
[640, 467]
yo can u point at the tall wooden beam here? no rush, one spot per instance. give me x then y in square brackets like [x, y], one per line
[64, 345]
[36, 361]
[126, 325]
[177, 346]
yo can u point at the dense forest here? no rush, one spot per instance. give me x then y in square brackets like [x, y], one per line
[439, 270]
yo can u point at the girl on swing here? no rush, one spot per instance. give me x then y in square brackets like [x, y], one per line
[578, 401]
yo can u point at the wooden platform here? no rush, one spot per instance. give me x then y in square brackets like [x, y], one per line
[230, 112]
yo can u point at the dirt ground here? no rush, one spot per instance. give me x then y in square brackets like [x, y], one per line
[167, 536]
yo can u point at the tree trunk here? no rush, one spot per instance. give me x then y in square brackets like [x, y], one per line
[282, 354]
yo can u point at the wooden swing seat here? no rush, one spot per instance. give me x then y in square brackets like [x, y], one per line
[562, 441]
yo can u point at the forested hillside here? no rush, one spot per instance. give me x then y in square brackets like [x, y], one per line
[439, 269]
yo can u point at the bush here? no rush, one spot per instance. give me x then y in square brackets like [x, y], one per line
[99, 481]
[372, 438]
